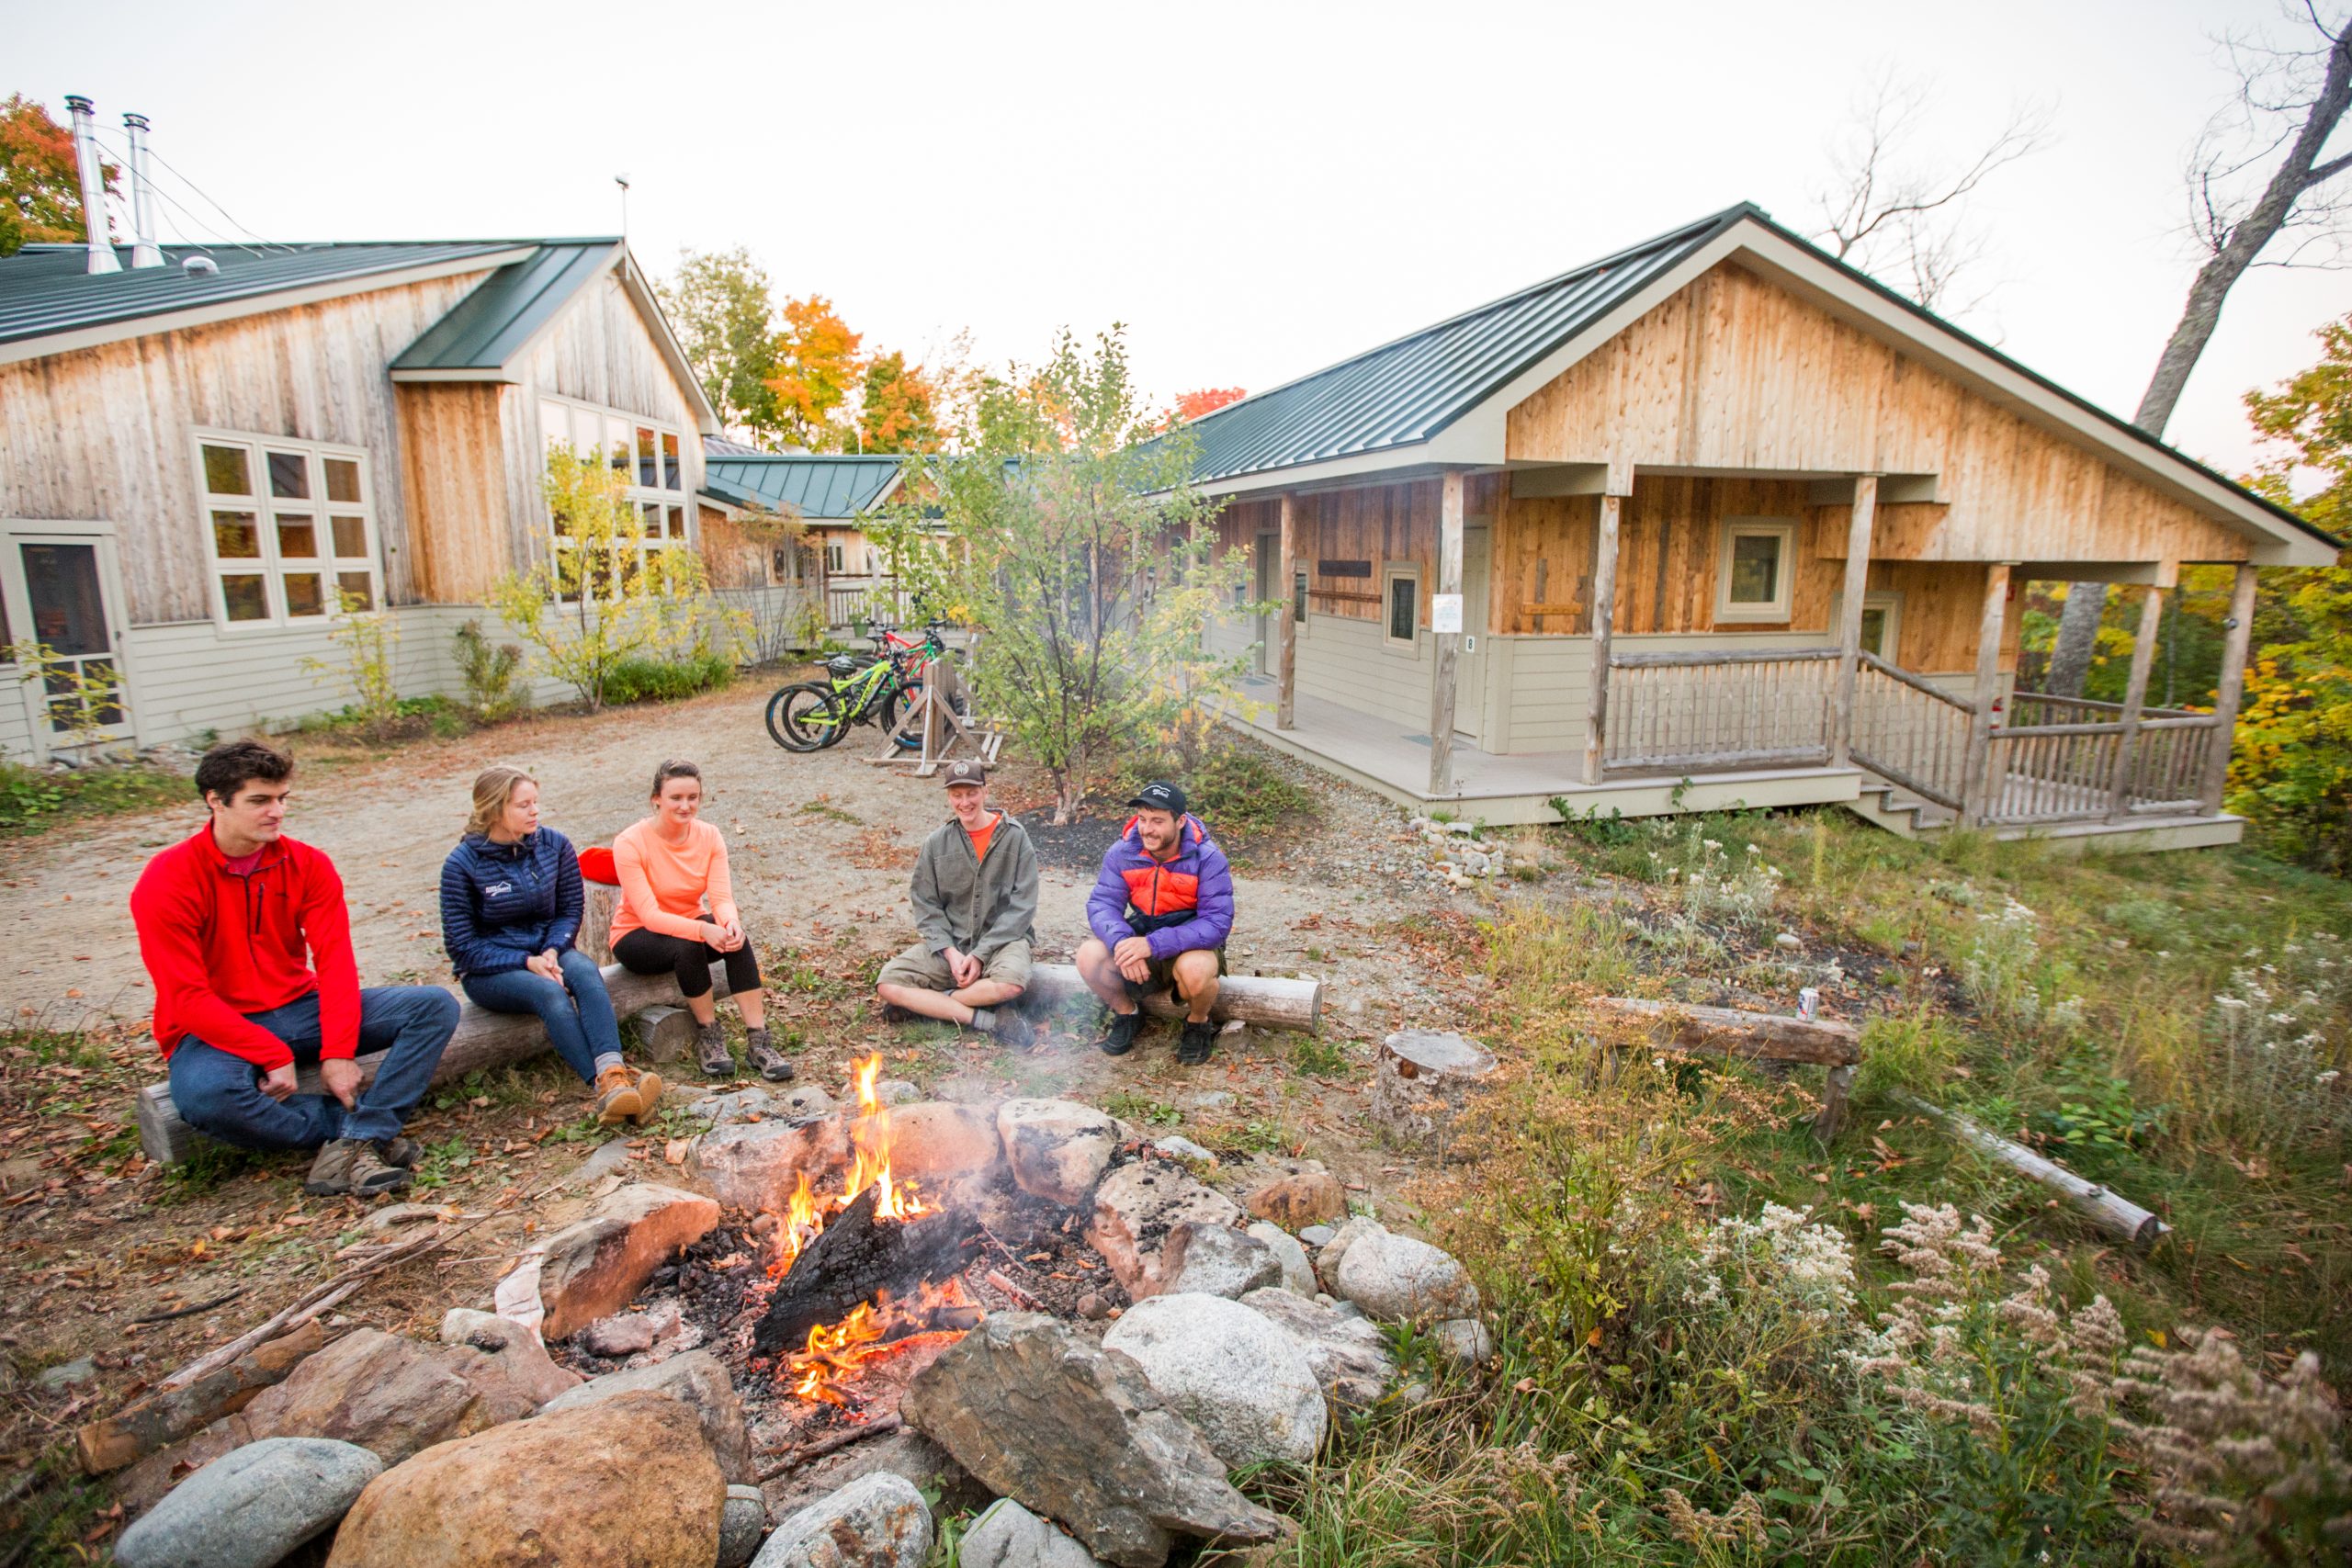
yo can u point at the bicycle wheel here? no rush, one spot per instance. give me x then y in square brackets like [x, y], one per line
[801, 717]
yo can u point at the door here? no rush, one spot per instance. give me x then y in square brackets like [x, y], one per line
[63, 601]
[1264, 557]
[1470, 663]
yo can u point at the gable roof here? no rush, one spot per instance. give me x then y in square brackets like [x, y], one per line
[1438, 396]
[50, 304]
[813, 485]
[504, 313]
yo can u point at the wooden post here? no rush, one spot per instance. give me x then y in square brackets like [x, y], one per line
[1980, 795]
[1850, 618]
[1285, 629]
[2231, 690]
[1603, 618]
[1448, 644]
[2135, 698]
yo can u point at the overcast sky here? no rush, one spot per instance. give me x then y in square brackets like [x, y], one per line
[1254, 190]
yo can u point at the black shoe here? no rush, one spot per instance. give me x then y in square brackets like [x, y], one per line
[893, 1014]
[1197, 1042]
[1120, 1038]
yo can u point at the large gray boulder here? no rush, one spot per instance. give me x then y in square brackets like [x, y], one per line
[1399, 1279]
[1239, 1377]
[756, 1165]
[1136, 1206]
[1299, 1271]
[697, 1379]
[1009, 1535]
[252, 1506]
[1059, 1148]
[876, 1521]
[594, 1268]
[742, 1522]
[1348, 1354]
[1042, 1415]
[1216, 1261]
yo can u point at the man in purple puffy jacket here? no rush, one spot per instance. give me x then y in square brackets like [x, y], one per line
[1160, 912]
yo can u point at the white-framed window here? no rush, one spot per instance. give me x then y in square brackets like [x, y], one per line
[1400, 607]
[834, 558]
[1754, 569]
[289, 529]
[1882, 621]
[649, 456]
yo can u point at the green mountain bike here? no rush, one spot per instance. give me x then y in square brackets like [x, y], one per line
[859, 689]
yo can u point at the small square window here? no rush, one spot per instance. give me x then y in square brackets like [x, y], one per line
[226, 471]
[245, 597]
[342, 481]
[289, 475]
[306, 593]
[1754, 570]
[358, 590]
[351, 537]
[234, 537]
[297, 538]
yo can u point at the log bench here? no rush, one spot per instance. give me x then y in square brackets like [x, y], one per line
[1270, 1001]
[1755, 1037]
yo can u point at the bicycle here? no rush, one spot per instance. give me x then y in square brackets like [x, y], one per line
[812, 714]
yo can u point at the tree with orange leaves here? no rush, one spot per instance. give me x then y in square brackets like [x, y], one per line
[900, 409]
[818, 361]
[41, 189]
[1193, 405]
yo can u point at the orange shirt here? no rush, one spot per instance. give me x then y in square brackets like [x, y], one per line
[665, 887]
[980, 840]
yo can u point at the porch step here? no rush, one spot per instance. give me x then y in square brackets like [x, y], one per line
[1899, 811]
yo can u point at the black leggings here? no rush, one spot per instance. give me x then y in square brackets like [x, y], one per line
[644, 952]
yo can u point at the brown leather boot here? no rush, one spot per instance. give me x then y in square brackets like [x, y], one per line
[649, 1093]
[616, 1096]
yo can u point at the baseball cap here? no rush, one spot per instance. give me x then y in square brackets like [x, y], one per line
[1161, 796]
[964, 772]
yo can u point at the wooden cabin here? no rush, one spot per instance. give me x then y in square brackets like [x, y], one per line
[201, 461]
[1714, 521]
[834, 497]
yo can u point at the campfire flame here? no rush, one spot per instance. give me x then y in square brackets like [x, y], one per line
[879, 1327]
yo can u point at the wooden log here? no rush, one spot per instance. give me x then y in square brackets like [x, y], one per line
[2112, 1215]
[1604, 610]
[1422, 1083]
[164, 1417]
[1849, 617]
[2135, 699]
[664, 1033]
[1267, 1001]
[1980, 794]
[596, 938]
[1285, 631]
[1445, 645]
[855, 1256]
[2230, 690]
[1733, 1031]
[483, 1039]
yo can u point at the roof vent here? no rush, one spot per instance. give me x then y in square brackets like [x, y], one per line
[200, 266]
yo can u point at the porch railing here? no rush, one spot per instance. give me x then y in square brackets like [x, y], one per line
[850, 600]
[1694, 712]
[2067, 772]
[1911, 732]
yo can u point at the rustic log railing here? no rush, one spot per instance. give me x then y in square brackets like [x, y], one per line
[849, 600]
[2053, 772]
[2037, 710]
[1694, 711]
[1911, 732]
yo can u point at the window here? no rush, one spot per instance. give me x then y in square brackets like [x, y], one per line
[289, 528]
[833, 558]
[1400, 595]
[647, 456]
[1881, 621]
[1754, 572]
[1298, 595]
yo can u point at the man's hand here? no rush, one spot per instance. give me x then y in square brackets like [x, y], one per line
[547, 965]
[962, 967]
[278, 1082]
[340, 1076]
[1133, 958]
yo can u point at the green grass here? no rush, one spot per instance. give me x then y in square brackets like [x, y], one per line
[34, 798]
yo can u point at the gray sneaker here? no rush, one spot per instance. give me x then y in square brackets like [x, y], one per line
[710, 1049]
[351, 1167]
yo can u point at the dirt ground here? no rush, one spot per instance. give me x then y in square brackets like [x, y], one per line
[96, 1238]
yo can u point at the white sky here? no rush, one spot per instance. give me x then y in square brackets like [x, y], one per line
[1255, 190]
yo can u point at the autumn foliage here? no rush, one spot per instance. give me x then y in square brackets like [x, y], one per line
[40, 190]
[1204, 402]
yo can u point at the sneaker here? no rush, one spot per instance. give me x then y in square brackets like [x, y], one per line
[1197, 1042]
[710, 1049]
[617, 1096]
[397, 1150]
[1120, 1037]
[766, 1060]
[350, 1167]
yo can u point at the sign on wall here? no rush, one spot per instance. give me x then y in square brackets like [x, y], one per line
[1445, 613]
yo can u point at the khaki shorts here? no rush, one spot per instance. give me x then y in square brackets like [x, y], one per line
[920, 967]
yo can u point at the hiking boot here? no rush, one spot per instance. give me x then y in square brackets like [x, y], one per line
[649, 1094]
[766, 1060]
[893, 1014]
[1198, 1040]
[710, 1049]
[397, 1150]
[350, 1167]
[984, 1020]
[617, 1096]
[1120, 1037]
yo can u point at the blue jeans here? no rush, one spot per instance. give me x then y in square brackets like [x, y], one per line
[578, 1014]
[219, 1094]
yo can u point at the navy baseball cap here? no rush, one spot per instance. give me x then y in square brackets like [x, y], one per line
[1161, 796]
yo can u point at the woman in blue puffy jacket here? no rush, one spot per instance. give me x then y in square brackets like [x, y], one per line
[511, 902]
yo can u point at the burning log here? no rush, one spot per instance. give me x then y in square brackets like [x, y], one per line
[855, 1260]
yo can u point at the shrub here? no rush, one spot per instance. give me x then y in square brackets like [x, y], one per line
[638, 679]
[32, 796]
[490, 671]
[2275, 1048]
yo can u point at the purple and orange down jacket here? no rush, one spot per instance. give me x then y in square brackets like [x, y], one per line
[1178, 904]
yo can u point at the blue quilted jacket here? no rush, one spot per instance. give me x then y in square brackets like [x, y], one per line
[502, 903]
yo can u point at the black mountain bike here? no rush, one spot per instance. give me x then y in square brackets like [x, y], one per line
[859, 688]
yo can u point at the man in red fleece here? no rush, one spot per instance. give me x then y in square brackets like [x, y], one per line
[244, 932]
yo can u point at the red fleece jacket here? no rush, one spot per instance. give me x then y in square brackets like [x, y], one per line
[219, 946]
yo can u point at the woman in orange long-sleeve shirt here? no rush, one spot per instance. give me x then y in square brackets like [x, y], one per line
[676, 914]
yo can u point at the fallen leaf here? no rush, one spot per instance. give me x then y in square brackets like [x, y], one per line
[675, 1151]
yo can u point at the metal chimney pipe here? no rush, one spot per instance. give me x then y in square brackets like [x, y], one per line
[144, 251]
[93, 186]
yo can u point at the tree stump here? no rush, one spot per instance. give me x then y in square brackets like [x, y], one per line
[1423, 1081]
[664, 1032]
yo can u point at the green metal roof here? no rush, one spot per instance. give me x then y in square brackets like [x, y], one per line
[815, 485]
[1405, 392]
[46, 290]
[489, 326]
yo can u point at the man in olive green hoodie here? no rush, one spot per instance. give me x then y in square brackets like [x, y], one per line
[975, 898]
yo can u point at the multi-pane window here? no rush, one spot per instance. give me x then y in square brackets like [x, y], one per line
[288, 527]
[649, 457]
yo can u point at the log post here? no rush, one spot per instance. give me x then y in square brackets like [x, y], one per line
[1423, 1082]
[2231, 690]
[1850, 618]
[2135, 699]
[1268, 1001]
[1285, 627]
[1981, 795]
[595, 936]
[1447, 644]
[2112, 1215]
[665, 1033]
[1604, 615]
